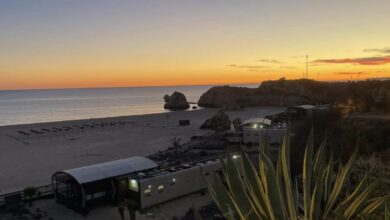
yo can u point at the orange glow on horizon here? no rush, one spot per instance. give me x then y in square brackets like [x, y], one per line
[150, 43]
[120, 80]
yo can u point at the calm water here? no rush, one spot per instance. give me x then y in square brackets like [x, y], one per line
[32, 106]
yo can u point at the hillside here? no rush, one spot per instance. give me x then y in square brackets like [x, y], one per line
[361, 96]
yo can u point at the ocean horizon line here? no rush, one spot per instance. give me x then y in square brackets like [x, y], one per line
[182, 85]
[127, 87]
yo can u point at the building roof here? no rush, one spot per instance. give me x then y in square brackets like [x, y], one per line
[257, 120]
[305, 106]
[111, 169]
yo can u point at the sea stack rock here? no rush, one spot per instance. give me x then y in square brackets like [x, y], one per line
[177, 101]
[166, 98]
[220, 122]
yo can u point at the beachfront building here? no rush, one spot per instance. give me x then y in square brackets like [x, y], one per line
[301, 112]
[82, 188]
[252, 132]
[255, 129]
[138, 180]
[156, 187]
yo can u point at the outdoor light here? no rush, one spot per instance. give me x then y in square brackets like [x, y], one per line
[174, 180]
[235, 156]
[133, 185]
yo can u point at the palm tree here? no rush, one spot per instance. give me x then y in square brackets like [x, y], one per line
[271, 193]
[176, 143]
[29, 193]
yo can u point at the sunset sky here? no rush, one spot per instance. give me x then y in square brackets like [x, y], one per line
[93, 43]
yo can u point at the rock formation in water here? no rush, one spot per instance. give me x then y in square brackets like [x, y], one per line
[177, 101]
[167, 97]
[220, 122]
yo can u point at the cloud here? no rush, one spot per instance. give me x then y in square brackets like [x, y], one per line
[246, 66]
[350, 73]
[251, 68]
[287, 67]
[377, 60]
[269, 61]
[378, 50]
[254, 70]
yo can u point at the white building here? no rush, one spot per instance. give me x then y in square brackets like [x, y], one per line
[153, 188]
[255, 129]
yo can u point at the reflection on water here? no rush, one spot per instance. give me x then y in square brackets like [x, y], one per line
[32, 106]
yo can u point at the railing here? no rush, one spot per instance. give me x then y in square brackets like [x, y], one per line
[42, 191]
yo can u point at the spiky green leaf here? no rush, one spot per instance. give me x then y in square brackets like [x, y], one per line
[307, 173]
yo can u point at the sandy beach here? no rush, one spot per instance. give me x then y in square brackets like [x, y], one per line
[30, 160]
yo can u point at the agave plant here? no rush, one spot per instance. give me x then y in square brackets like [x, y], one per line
[271, 193]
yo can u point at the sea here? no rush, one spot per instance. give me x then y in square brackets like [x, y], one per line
[48, 105]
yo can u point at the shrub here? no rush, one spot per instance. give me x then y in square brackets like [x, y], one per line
[373, 168]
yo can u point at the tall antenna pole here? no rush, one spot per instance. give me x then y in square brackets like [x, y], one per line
[307, 66]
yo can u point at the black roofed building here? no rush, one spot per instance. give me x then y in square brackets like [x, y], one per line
[84, 187]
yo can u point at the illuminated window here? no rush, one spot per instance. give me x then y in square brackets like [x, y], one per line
[160, 188]
[147, 192]
[133, 185]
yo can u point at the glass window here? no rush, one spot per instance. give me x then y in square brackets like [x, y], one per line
[160, 188]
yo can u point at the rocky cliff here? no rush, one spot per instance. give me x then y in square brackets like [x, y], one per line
[360, 96]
